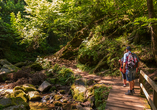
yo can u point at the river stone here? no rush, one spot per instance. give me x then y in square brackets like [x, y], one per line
[9, 68]
[16, 107]
[18, 88]
[20, 93]
[4, 61]
[44, 86]
[12, 102]
[28, 87]
[3, 92]
[34, 95]
[78, 92]
[57, 97]
[5, 102]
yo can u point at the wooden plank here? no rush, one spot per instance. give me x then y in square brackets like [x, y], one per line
[155, 98]
[141, 81]
[148, 97]
[149, 80]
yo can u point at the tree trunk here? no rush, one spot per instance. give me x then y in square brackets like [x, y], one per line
[151, 14]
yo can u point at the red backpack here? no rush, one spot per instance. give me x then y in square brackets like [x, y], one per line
[132, 61]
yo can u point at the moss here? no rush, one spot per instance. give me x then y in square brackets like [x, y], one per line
[100, 93]
[17, 88]
[62, 91]
[28, 87]
[52, 80]
[1, 107]
[20, 93]
[57, 97]
[16, 92]
[18, 101]
[53, 88]
[23, 96]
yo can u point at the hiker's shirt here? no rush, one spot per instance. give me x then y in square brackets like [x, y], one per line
[126, 59]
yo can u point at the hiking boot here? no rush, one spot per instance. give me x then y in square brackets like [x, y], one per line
[133, 91]
[129, 93]
[124, 85]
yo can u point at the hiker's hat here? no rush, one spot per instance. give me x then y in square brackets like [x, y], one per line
[128, 48]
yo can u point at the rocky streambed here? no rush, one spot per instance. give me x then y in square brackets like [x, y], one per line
[34, 87]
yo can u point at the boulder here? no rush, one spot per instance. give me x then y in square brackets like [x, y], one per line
[78, 92]
[28, 87]
[4, 61]
[34, 95]
[9, 68]
[20, 93]
[44, 86]
[17, 103]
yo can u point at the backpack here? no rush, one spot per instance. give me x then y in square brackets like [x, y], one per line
[132, 61]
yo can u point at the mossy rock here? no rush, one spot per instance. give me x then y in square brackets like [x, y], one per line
[79, 96]
[16, 92]
[57, 97]
[78, 92]
[8, 103]
[28, 87]
[34, 95]
[20, 93]
[4, 61]
[17, 88]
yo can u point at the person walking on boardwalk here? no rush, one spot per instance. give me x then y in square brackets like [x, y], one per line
[130, 65]
[121, 67]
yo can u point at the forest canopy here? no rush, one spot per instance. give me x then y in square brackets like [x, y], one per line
[98, 26]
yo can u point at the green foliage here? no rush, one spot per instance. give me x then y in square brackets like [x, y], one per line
[43, 62]
[65, 76]
[1, 107]
[101, 94]
[61, 75]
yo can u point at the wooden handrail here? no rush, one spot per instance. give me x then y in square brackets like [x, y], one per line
[153, 103]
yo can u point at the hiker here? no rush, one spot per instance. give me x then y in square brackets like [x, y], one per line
[131, 68]
[121, 67]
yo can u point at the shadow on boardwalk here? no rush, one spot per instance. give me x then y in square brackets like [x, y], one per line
[117, 100]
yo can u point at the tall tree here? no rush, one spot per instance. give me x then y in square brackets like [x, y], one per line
[151, 14]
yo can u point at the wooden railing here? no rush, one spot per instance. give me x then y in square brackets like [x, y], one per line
[143, 78]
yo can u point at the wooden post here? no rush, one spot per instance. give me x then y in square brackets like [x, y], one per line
[141, 81]
[155, 98]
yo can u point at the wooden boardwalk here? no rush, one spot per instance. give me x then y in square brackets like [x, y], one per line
[117, 100]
